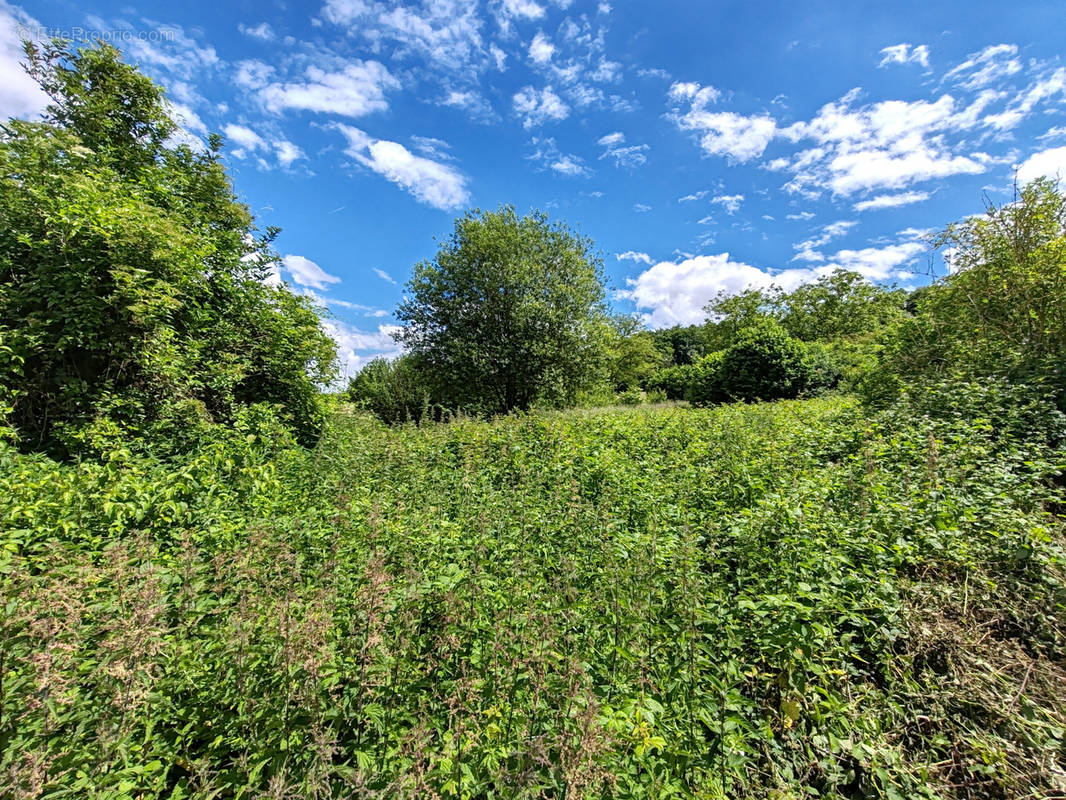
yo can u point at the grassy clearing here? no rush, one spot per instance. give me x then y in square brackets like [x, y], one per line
[788, 600]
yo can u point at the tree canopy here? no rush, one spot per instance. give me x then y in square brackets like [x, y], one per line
[510, 311]
[133, 292]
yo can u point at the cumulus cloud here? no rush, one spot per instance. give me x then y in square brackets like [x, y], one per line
[675, 292]
[1047, 163]
[249, 143]
[245, 138]
[354, 91]
[904, 54]
[536, 107]
[262, 31]
[541, 49]
[356, 347]
[885, 145]
[729, 202]
[305, 272]
[430, 182]
[721, 133]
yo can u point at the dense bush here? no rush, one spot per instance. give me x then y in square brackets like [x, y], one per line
[394, 391]
[133, 307]
[672, 381]
[793, 599]
[763, 363]
[999, 313]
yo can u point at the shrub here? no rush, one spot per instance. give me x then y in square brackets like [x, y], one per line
[764, 363]
[672, 382]
[394, 391]
[631, 397]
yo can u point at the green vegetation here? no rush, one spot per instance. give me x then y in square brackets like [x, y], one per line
[725, 602]
[133, 311]
[510, 311]
[218, 581]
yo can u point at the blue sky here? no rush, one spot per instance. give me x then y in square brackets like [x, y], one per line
[703, 147]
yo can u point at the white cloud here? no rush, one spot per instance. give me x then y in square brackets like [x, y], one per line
[878, 263]
[354, 91]
[1045, 87]
[804, 215]
[675, 292]
[729, 202]
[499, 57]
[633, 255]
[905, 54]
[549, 156]
[435, 184]
[688, 198]
[247, 140]
[287, 152]
[723, 133]
[522, 9]
[262, 31]
[384, 275]
[569, 165]
[536, 107]
[252, 74]
[888, 145]
[807, 250]
[989, 66]
[1050, 163]
[446, 33]
[891, 201]
[305, 272]
[623, 155]
[641, 208]
[20, 96]
[356, 347]
[541, 49]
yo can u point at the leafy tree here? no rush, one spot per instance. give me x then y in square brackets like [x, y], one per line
[1000, 311]
[681, 345]
[133, 299]
[509, 311]
[842, 304]
[632, 356]
[763, 363]
[394, 391]
[729, 314]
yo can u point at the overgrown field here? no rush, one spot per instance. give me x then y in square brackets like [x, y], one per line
[788, 600]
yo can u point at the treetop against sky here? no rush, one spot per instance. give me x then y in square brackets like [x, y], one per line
[702, 147]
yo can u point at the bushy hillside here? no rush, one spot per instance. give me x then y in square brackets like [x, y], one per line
[784, 600]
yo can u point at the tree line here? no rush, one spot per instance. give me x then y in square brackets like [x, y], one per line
[135, 309]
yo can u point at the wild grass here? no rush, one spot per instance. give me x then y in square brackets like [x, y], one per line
[791, 600]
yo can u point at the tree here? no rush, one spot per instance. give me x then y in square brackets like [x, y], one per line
[763, 363]
[841, 304]
[133, 297]
[631, 353]
[508, 312]
[392, 390]
[1000, 312]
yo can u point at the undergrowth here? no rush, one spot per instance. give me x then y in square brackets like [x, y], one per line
[791, 600]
